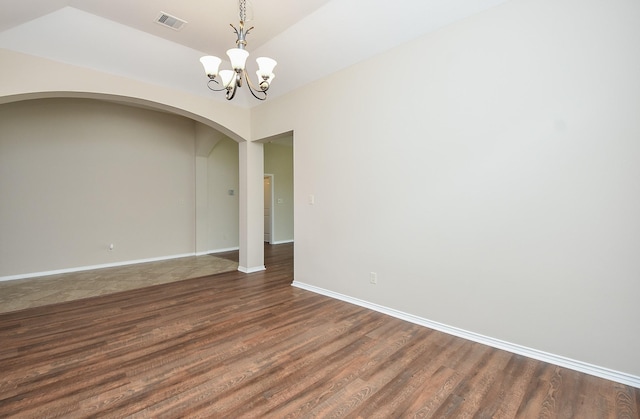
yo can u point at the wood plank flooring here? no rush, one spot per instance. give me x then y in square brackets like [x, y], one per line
[250, 345]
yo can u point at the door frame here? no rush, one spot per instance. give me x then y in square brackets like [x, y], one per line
[272, 211]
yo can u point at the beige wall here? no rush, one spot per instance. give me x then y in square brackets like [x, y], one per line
[488, 173]
[223, 208]
[77, 175]
[278, 161]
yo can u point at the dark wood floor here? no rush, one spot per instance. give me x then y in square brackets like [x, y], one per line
[236, 345]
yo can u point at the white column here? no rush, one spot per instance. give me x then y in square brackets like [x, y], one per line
[251, 196]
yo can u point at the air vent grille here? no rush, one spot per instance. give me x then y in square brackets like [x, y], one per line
[165, 19]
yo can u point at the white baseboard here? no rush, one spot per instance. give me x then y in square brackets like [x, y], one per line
[561, 361]
[251, 270]
[214, 251]
[282, 241]
[88, 268]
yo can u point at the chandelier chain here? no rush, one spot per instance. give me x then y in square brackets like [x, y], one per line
[242, 5]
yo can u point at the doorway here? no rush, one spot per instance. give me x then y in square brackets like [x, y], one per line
[268, 209]
[278, 163]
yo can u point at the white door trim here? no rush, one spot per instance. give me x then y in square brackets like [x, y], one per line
[273, 208]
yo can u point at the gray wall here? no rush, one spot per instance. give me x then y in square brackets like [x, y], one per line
[78, 175]
[223, 209]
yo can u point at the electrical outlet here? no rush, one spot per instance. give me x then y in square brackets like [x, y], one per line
[373, 278]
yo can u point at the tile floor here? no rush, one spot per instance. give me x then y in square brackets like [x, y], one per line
[33, 292]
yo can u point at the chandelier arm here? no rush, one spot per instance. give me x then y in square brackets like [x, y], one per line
[253, 89]
[232, 92]
[253, 92]
[256, 96]
[212, 88]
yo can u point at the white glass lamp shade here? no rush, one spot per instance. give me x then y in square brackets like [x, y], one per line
[269, 77]
[264, 84]
[238, 58]
[228, 78]
[211, 65]
[265, 66]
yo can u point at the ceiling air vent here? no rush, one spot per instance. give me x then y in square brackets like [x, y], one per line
[169, 21]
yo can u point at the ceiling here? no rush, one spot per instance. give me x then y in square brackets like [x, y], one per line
[309, 38]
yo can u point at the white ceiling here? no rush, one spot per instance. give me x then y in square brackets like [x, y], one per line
[309, 38]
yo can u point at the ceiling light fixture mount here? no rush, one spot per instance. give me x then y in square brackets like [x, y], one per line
[230, 80]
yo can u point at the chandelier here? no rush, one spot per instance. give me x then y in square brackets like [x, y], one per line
[230, 80]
